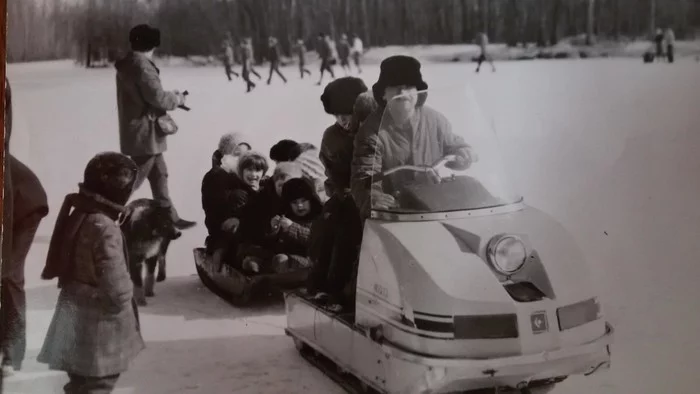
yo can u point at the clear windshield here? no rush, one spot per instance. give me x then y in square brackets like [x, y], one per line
[437, 152]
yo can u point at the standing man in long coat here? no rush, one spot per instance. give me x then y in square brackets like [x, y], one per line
[142, 104]
[25, 205]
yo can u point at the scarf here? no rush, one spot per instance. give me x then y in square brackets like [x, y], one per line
[75, 209]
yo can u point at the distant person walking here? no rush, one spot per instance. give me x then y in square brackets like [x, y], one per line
[300, 51]
[357, 51]
[325, 52]
[483, 41]
[228, 59]
[670, 39]
[247, 60]
[344, 53]
[659, 41]
[251, 57]
[274, 57]
[142, 106]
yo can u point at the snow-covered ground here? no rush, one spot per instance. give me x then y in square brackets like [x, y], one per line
[609, 147]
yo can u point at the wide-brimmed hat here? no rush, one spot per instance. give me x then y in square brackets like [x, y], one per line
[396, 71]
[339, 96]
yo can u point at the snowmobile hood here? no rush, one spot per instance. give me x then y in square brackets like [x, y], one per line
[449, 257]
[555, 262]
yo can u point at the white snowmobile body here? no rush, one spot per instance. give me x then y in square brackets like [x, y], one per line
[437, 311]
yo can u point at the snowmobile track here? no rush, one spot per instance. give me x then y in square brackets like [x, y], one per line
[348, 382]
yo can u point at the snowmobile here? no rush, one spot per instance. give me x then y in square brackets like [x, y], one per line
[461, 286]
[241, 288]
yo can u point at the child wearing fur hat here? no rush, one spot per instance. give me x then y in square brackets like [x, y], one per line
[301, 207]
[334, 247]
[287, 240]
[94, 334]
[338, 100]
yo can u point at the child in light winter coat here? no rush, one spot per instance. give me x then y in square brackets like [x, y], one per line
[94, 334]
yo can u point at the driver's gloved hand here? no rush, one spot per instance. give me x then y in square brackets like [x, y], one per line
[382, 200]
[464, 158]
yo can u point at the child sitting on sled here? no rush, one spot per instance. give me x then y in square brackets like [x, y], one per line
[289, 232]
[255, 226]
[226, 192]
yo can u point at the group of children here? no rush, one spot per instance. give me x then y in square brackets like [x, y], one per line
[269, 224]
[329, 54]
[252, 219]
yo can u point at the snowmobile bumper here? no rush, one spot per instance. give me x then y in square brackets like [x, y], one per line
[450, 375]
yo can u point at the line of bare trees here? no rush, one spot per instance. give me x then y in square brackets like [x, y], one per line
[49, 29]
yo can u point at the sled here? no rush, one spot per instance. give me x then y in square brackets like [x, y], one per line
[239, 288]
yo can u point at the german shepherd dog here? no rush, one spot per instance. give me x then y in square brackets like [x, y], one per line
[148, 229]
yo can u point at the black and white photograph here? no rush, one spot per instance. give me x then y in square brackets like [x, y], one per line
[351, 196]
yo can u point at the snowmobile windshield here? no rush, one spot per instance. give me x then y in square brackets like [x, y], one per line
[436, 152]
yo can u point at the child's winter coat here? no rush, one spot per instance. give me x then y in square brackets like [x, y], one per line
[222, 198]
[295, 239]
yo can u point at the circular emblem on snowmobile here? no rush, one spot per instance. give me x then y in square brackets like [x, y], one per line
[538, 322]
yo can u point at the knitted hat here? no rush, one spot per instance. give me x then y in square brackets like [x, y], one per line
[285, 150]
[143, 38]
[111, 175]
[399, 70]
[230, 141]
[291, 169]
[339, 95]
[311, 165]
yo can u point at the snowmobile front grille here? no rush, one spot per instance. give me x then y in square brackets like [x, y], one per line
[486, 327]
[578, 314]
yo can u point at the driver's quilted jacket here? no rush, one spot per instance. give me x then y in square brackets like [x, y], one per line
[429, 141]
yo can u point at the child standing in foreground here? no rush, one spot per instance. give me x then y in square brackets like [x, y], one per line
[94, 334]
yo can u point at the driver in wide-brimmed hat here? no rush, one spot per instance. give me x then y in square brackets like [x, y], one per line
[378, 146]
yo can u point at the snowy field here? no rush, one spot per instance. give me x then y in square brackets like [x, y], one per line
[609, 147]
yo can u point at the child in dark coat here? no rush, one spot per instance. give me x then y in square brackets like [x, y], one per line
[255, 226]
[336, 238]
[220, 200]
[292, 229]
[225, 196]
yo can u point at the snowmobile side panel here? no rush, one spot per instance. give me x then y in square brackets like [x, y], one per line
[342, 343]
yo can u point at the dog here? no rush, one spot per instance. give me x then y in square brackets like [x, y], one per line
[148, 229]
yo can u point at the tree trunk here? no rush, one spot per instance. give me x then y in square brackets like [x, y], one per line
[652, 18]
[590, 22]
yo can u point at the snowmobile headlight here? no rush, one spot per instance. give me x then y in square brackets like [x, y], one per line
[507, 254]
